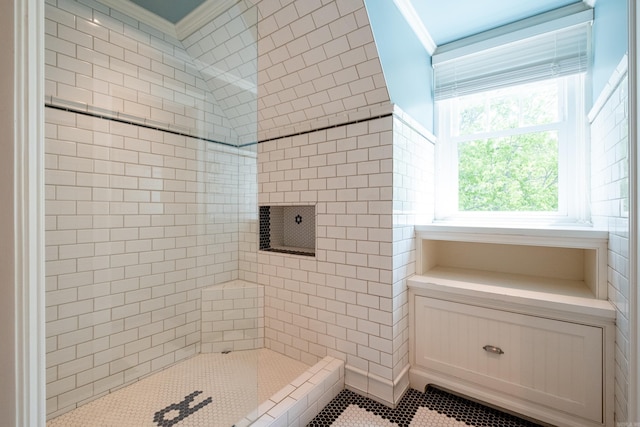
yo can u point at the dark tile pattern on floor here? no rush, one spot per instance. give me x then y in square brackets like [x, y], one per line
[463, 410]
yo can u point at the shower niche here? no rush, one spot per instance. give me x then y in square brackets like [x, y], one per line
[288, 229]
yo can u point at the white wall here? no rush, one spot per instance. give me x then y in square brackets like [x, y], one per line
[413, 203]
[101, 59]
[316, 61]
[330, 138]
[8, 316]
[350, 300]
[138, 219]
[610, 211]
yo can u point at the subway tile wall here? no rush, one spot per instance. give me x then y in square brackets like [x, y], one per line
[340, 302]
[98, 57]
[225, 53]
[232, 317]
[247, 196]
[610, 211]
[413, 203]
[348, 302]
[317, 62]
[137, 222]
[318, 67]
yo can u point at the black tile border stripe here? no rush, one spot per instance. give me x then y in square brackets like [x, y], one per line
[337, 125]
[175, 132]
[143, 125]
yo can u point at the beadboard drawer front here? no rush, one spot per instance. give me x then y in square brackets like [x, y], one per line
[554, 363]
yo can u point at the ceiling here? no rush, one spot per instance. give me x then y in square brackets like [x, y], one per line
[444, 21]
[171, 10]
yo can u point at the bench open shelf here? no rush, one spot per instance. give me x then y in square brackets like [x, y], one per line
[557, 261]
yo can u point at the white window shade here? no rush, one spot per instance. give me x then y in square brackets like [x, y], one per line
[551, 54]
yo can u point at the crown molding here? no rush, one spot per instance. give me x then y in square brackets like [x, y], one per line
[201, 16]
[141, 14]
[411, 16]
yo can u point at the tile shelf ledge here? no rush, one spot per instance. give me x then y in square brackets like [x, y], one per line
[290, 251]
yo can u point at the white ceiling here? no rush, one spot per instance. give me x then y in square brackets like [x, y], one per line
[171, 10]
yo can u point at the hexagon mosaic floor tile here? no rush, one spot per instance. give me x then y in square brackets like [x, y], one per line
[434, 408]
[208, 390]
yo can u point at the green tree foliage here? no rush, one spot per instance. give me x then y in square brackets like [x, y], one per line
[518, 172]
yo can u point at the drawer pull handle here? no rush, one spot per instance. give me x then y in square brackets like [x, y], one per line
[493, 349]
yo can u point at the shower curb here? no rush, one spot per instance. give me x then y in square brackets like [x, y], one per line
[302, 399]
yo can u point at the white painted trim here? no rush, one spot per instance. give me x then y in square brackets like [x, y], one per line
[420, 378]
[29, 212]
[375, 387]
[201, 16]
[141, 14]
[411, 16]
[633, 404]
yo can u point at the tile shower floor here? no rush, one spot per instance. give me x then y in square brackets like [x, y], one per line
[434, 408]
[208, 390]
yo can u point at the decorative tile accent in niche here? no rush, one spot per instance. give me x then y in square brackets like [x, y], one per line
[288, 229]
[299, 226]
[265, 229]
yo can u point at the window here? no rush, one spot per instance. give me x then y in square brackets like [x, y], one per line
[513, 149]
[510, 126]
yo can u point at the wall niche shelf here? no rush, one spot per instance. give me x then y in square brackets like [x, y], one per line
[568, 261]
[288, 229]
[537, 298]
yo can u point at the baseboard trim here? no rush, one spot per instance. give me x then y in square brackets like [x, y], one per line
[376, 388]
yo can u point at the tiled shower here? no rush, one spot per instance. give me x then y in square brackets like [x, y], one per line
[152, 180]
[150, 189]
[154, 183]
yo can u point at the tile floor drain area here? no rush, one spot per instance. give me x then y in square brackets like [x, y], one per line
[434, 408]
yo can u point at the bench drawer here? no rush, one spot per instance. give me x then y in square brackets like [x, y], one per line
[553, 363]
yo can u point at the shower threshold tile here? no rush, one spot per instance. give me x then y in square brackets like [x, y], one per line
[207, 390]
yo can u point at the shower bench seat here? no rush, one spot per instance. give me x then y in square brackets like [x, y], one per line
[232, 315]
[516, 318]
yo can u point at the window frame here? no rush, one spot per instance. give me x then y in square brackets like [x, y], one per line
[573, 163]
